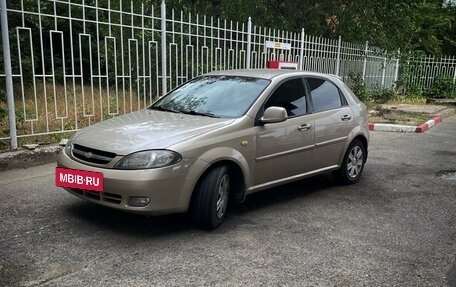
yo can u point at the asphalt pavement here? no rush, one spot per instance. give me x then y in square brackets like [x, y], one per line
[396, 227]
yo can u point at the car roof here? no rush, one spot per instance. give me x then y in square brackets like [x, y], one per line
[268, 73]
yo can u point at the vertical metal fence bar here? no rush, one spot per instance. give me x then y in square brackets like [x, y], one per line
[396, 71]
[197, 61]
[97, 33]
[366, 50]
[122, 58]
[249, 42]
[339, 43]
[9, 75]
[384, 71]
[183, 76]
[301, 51]
[454, 67]
[236, 48]
[43, 68]
[163, 47]
[144, 75]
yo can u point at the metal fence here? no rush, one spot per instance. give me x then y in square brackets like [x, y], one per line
[74, 64]
[420, 73]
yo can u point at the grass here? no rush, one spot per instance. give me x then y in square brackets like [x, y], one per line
[413, 99]
[395, 116]
[60, 113]
[390, 116]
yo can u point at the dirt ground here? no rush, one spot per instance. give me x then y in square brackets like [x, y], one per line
[405, 114]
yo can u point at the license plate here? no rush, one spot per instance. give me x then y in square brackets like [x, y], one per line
[81, 179]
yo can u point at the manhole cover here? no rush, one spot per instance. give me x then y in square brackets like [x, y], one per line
[447, 174]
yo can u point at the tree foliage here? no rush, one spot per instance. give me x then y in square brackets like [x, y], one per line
[426, 25]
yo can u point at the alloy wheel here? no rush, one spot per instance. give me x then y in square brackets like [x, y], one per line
[222, 195]
[355, 161]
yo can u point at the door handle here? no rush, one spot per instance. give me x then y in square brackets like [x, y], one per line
[304, 127]
[346, 117]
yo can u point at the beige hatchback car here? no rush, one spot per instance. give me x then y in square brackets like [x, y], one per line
[218, 138]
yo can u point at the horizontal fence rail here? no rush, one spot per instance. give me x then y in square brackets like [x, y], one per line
[75, 64]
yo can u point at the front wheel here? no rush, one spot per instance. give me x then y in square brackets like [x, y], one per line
[353, 163]
[211, 198]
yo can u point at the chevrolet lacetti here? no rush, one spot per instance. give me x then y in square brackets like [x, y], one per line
[218, 138]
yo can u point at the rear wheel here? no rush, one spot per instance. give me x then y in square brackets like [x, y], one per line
[211, 198]
[353, 163]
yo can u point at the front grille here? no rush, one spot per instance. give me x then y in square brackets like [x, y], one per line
[92, 155]
[101, 196]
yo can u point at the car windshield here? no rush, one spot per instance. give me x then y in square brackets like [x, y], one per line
[214, 96]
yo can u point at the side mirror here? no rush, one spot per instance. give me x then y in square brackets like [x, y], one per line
[274, 115]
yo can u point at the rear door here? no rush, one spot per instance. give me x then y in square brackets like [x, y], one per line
[285, 149]
[333, 122]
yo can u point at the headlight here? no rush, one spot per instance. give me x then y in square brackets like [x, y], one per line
[149, 159]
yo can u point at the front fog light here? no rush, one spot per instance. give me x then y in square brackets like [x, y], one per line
[138, 201]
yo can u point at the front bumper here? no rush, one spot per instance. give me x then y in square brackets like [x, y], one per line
[169, 189]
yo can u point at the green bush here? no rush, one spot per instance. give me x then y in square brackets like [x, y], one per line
[415, 97]
[374, 94]
[358, 87]
[442, 87]
[381, 94]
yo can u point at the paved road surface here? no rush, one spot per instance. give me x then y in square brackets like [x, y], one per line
[396, 227]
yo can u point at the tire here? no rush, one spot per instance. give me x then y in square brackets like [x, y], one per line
[353, 163]
[211, 198]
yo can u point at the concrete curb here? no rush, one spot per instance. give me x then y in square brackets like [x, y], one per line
[24, 158]
[404, 128]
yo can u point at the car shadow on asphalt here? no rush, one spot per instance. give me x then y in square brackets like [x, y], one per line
[93, 215]
[285, 193]
[127, 223]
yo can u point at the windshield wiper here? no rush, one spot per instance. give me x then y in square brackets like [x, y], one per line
[194, 113]
[158, 108]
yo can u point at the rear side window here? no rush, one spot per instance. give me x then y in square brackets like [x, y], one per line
[291, 96]
[325, 95]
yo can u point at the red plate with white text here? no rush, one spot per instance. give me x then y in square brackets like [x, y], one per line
[81, 179]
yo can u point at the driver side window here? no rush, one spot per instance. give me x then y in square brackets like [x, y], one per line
[290, 95]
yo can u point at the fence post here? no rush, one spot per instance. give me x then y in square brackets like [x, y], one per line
[301, 52]
[396, 71]
[384, 69]
[163, 48]
[365, 60]
[9, 75]
[338, 56]
[454, 77]
[249, 42]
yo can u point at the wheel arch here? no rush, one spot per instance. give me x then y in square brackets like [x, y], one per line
[211, 159]
[358, 133]
[237, 178]
[342, 174]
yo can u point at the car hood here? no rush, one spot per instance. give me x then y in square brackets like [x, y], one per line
[145, 129]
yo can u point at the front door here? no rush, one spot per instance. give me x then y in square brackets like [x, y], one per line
[285, 149]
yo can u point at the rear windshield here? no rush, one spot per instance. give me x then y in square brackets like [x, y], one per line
[218, 96]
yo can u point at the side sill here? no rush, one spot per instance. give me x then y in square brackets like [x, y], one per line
[281, 181]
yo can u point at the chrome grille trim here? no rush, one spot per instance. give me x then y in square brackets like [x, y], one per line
[92, 155]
